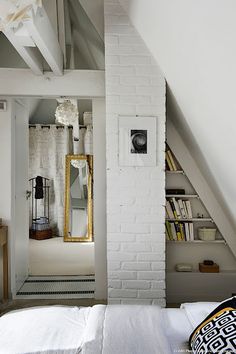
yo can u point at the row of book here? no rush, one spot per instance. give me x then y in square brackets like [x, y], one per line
[179, 231]
[171, 162]
[177, 208]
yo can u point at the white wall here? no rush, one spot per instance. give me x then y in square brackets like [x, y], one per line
[194, 44]
[44, 113]
[100, 230]
[135, 195]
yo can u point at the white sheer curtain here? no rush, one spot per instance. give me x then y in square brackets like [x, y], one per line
[47, 149]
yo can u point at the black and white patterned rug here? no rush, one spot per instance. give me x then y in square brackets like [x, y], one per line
[58, 287]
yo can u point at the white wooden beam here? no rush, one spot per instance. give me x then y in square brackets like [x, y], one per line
[68, 38]
[23, 37]
[50, 7]
[44, 36]
[77, 83]
[30, 55]
[61, 27]
[100, 231]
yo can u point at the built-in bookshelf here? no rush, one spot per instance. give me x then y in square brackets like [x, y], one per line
[185, 212]
[182, 286]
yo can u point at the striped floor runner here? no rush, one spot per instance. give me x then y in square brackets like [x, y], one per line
[58, 287]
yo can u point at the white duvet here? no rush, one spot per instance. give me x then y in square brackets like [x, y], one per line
[46, 330]
[93, 330]
[125, 330]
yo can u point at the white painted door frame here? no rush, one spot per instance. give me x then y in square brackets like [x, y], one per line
[20, 241]
[80, 84]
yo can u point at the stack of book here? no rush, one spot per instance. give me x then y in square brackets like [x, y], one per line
[177, 229]
[171, 162]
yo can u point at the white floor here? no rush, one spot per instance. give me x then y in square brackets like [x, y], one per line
[55, 257]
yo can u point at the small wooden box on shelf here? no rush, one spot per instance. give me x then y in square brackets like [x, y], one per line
[205, 268]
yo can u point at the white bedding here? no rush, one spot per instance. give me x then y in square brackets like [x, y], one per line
[126, 330]
[178, 324]
[47, 330]
[177, 329]
[100, 329]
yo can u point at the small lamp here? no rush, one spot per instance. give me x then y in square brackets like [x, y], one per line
[67, 114]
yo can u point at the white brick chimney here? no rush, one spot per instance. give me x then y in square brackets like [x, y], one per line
[135, 195]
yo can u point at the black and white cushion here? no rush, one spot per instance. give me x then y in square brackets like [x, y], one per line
[217, 333]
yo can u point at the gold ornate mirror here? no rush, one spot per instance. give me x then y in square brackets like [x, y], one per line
[78, 223]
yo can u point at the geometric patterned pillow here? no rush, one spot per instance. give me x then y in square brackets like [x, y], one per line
[217, 333]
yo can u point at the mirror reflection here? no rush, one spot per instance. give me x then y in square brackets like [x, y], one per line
[78, 198]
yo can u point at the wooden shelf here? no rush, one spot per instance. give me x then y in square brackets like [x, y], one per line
[182, 196]
[192, 220]
[197, 241]
[196, 286]
[179, 172]
[196, 272]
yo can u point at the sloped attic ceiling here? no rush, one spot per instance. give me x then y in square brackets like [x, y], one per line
[194, 42]
[95, 11]
[89, 45]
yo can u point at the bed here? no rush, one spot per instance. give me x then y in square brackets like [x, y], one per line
[100, 329]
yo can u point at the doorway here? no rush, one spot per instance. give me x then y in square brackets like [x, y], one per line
[99, 227]
[55, 269]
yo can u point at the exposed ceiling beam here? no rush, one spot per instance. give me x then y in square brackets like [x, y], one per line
[69, 44]
[37, 32]
[46, 40]
[23, 37]
[50, 7]
[77, 83]
[61, 27]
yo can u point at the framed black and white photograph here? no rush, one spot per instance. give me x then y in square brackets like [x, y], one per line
[137, 141]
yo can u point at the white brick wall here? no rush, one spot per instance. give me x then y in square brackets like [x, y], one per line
[135, 195]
